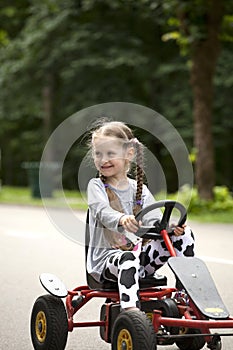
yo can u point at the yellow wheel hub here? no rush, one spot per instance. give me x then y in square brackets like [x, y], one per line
[183, 330]
[124, 340]
[41, 326]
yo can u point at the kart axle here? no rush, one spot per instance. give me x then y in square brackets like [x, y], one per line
[170, 336]
[158, 320]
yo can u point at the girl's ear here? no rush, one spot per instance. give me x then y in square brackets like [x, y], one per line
[130, 154]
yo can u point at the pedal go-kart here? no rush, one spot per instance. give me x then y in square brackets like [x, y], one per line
[168, 315]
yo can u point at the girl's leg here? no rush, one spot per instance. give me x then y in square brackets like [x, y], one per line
[184, 245]
[124, 267]
[155, 254]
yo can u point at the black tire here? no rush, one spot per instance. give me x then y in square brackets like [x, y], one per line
[49, 325]
[191, 343]
[168, 308]
[132, 330]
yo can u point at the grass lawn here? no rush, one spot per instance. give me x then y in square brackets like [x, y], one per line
[218, 217]
[23, 196]
[77, 201]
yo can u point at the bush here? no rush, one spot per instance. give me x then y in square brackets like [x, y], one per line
[222, 201]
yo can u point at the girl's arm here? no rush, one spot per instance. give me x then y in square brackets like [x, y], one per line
[99, 205]
[129, 223]
[153, 216]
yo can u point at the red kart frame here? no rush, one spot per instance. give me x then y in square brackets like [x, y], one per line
[188, 312]
[182, 316]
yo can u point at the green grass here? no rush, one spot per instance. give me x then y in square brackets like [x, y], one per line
[219, 217]
[23, 196]
[77, 201]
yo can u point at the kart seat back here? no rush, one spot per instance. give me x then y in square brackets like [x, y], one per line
[148, 282]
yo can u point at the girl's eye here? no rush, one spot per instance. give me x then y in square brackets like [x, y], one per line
[111, 153]
[97, 154]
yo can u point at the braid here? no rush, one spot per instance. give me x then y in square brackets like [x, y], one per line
[139, 176]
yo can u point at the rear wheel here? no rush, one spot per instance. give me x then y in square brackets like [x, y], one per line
[49, 326]
[191, 343]
[168, 308]
[132, 330]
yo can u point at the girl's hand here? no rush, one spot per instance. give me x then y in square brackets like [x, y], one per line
[178, 231]
[129, 223]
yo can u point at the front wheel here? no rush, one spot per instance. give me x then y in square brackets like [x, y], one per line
[192, 342]
[132, 330]
[49, 325]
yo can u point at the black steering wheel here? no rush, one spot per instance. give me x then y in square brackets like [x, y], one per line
[153, 232]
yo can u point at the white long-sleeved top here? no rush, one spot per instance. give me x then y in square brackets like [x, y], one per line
[101, 215]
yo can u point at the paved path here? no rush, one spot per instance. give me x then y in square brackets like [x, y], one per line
[30, 245]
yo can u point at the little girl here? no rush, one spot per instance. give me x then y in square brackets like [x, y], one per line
[115, 253]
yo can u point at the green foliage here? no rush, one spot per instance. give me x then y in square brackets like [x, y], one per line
[13, 15]
[3, 38]
[188, 21]
[100, 51]
[227, 28]
[222, 202]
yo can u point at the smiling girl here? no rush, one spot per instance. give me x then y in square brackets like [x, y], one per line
[115, 252]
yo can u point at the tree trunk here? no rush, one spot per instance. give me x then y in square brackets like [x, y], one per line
[204, 57]
[47, 98]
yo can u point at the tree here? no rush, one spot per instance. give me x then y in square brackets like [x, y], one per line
[65, 56]
[101, 45]
[199, 24]
[205, 52]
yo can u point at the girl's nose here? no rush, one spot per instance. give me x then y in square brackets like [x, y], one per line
[104, 159]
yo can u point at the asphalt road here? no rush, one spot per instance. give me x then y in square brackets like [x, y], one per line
[31, 244]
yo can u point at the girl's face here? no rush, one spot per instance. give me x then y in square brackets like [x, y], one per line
[110, 157]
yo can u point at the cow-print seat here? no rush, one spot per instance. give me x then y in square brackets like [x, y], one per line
[148, 282]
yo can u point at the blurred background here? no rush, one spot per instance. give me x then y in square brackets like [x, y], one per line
[173, 56]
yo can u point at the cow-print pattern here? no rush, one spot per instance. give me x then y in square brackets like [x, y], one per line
[126, 267]
[127, 277]
[125, 297]
[109, 276]
[189, 251]
[126, 257]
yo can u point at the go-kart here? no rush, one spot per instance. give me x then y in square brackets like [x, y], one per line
[167, 315]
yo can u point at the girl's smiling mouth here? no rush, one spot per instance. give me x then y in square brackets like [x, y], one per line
[106, 167]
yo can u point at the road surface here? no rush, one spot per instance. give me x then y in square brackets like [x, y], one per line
[31, 244]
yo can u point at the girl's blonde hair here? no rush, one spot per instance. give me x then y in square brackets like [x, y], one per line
[121, 131]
